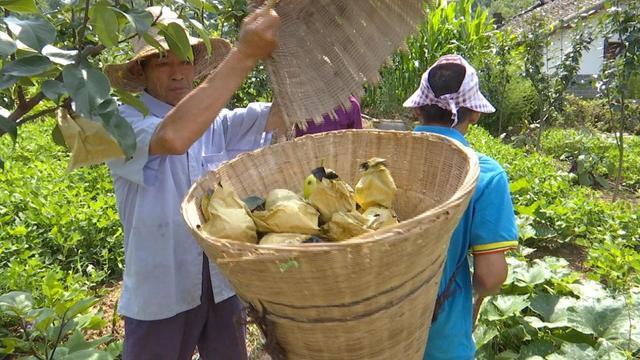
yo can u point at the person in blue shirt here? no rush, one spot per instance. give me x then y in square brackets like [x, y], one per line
[447, 102]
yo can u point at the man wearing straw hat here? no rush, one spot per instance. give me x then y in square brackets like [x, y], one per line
[173, 300]
[447, 102]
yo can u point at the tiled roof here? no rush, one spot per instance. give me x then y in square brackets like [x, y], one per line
[554, 11]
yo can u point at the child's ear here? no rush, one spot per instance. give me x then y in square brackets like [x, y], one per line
[416, 113]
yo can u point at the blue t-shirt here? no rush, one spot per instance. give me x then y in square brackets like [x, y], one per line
[488, 225]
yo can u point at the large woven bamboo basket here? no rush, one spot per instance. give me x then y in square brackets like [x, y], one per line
[370, 297]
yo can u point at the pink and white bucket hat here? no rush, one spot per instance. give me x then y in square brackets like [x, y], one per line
[468, 96]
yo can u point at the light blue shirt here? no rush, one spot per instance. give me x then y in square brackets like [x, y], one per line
[163, 262]
[488, 225]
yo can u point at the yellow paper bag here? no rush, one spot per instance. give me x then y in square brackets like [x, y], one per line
[88, 141]
[376, 187]
[228, 217]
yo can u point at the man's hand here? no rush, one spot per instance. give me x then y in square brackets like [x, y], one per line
[259, 33]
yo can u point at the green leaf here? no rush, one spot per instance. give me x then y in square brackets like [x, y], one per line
[87, 86]
[537, 349]
[132, 100]
[140, 20]
[504, 306]
[16, 303]
[570, 351]
[203, 35]
[589, 289]
[53, 89]
[121, 130]
[35, 32]
[60, 56]
[178, 41]
[7, 81]
[43, 318]
[9, 127]
[77, 342]
[28, 66]
[608, 351]
[153, 42]
[19, 6]
[537, 273]
[520, 184]
[553, 310]
[7, 44]
[483, 334]
[81, 306]
[89, 354]
[105, 24]
[605, 318]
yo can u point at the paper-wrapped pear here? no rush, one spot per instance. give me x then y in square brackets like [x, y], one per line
[376, 186]
[332, 195]
[379, 217]
[345, 225]
[286, 212]
[228, 217]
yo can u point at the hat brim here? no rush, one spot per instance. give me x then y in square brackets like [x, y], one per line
[121, 77]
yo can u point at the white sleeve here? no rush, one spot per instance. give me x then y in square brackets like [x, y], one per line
[141, 169]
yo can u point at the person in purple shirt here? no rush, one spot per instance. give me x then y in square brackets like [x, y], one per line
[345, 119]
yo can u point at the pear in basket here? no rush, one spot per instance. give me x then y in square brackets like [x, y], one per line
[345, 225]
[379, 217]
[289, 239]
[331, 195]
[228, 217]
[286, 212]
[376, 186]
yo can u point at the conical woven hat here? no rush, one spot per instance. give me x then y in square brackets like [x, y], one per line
[329, 48]
[120, 75]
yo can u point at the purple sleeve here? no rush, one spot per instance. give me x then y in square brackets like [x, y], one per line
[355, 114]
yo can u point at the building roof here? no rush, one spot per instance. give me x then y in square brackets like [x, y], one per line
[554, 11]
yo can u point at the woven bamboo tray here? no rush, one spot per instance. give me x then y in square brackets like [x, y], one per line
[370, 297]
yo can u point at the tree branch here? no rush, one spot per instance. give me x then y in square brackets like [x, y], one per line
[38, 114]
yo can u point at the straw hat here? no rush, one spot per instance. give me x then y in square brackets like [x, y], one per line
[121, 76]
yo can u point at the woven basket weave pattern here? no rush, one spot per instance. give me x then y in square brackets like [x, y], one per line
[328, 49]
[370, 297]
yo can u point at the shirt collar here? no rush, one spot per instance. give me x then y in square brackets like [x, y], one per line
[157, 107]
[443, 130]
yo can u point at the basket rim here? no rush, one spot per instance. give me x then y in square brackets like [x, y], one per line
[386, 233]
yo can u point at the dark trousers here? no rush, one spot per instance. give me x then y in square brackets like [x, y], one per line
[217, 330]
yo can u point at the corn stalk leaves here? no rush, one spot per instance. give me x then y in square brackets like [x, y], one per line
[19, 6]
[28, 66]
[105, 23]
[34, 31]
[7, 45]
[178, 41]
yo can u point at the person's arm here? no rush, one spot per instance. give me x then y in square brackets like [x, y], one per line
[489, 273]
[189, 119]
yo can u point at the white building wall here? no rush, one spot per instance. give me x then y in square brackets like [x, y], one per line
[560, 43]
